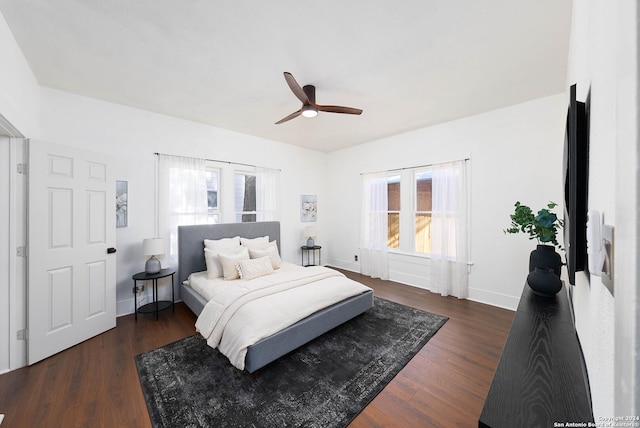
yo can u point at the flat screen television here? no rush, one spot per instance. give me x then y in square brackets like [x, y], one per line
[576, 181]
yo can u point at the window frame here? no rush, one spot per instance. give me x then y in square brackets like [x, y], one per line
[239, 215]
[416, 172]
[408, 198]
[214, 214]
[398, 237]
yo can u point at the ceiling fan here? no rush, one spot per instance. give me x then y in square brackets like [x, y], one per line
[307, 95]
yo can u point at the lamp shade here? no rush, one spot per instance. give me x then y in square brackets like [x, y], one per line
[310, 232]
[153, 246]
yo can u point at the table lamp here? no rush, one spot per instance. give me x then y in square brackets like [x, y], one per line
[153, 247]
[310, 233]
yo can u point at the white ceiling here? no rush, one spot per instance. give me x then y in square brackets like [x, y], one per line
[408, 64]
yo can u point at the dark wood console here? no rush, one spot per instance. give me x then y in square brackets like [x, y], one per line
[541, 377]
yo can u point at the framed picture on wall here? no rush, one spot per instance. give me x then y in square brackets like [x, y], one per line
[122, 206]
[308, 208]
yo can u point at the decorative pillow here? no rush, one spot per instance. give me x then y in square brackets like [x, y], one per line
[249, 269]
[267, 250]
[214, 268]
[252, 242]
[229, 261]
[212, 248]
[214, 244]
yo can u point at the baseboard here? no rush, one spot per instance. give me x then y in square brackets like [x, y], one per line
[409, 279]
[398, 276]
[481, 296]
[346, 265]
[494, 299]
[124, 307]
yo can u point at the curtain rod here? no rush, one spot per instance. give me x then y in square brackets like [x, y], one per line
[221, 161]
[413, 167]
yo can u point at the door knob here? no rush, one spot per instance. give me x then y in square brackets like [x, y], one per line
[111, 250]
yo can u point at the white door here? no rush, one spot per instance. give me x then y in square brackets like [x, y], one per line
[71, 235]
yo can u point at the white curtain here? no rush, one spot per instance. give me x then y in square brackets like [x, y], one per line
[373, 234]
[182, 199]
[449, 236]
[267, 194]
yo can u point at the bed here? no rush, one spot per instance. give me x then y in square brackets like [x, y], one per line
[191, 260]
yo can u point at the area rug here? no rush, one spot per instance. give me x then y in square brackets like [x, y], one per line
[325, 383]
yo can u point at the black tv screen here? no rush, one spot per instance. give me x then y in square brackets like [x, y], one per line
[576, 180]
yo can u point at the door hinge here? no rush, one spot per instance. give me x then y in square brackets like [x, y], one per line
[22, 168]
[22, 334]
[21, 252]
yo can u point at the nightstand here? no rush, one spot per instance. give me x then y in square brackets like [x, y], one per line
[155, 306]
[311, 252]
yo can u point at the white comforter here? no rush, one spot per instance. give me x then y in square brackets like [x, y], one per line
[240, 313]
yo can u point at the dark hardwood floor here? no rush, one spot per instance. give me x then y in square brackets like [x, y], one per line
[95, 384]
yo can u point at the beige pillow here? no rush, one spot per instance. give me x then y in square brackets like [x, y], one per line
[267, 250]
[211, 249]
[253, 242]
[229, 261]
[214, 268]
[249, 269]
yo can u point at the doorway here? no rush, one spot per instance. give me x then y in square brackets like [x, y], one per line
[13, 233]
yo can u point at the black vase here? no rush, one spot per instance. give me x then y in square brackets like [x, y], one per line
[544, 282]
[545, 256]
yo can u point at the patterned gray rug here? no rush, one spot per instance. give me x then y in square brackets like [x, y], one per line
[325, 383]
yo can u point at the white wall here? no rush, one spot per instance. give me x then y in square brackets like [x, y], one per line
[516, 154]
[627, 276]
[132, 136]
[595, 50]
[591, 39]
[19, 91]
[603, 59]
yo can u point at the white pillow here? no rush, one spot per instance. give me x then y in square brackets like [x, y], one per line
[229, 261]
[252, 242]
[249, 269]
[267, 250]
[214, 244]
[214, 268]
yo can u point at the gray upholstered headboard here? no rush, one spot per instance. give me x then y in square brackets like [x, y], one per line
[191, 241]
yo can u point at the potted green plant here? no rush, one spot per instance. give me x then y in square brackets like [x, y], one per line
[544, 260]
[544, 226]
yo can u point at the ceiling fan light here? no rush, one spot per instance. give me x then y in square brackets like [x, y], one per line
[309, 111]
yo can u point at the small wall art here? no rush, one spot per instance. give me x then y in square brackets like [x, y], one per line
[122, 205]
[308, 208]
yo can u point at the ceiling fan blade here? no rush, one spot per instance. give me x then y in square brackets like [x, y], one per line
[338, 109]
[291, 116]
[295, 88]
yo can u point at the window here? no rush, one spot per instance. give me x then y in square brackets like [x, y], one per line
[182, 198]
[393, 211]
[409, 212]
[411, 209]
[245, 194]
[213, 186]
[418, 211]
[199, 191]
[423, 206]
